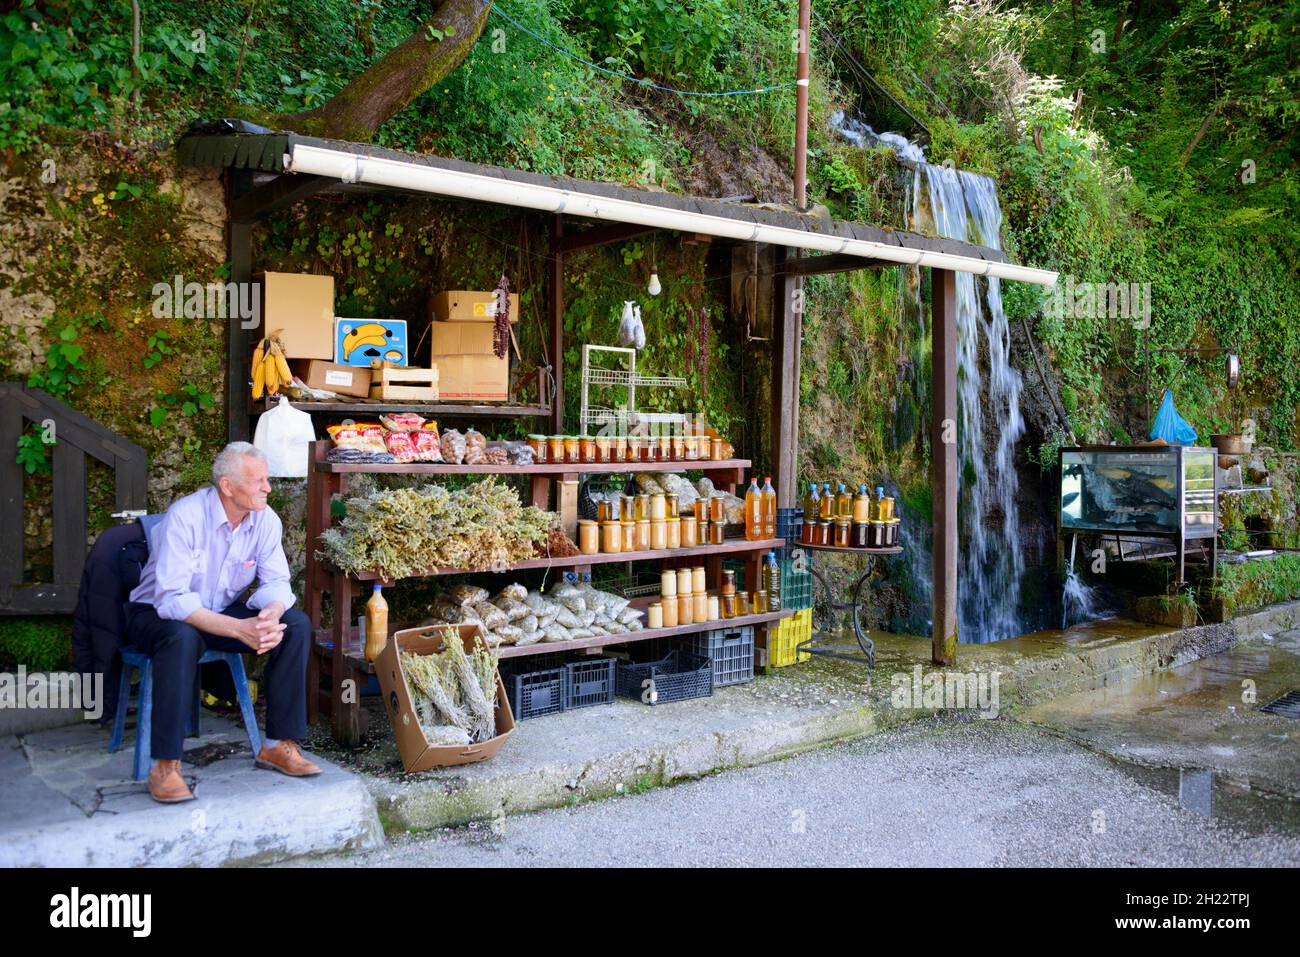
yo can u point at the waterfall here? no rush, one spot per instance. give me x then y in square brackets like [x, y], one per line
[964, 206]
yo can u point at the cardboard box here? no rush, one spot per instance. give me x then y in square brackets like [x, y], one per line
[472, 378]
[299, 308]
[345, 380]
[468, 305]
[461, 338]
[416, 751]
[359, 341]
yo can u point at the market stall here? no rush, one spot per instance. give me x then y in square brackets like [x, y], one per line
[269, 171]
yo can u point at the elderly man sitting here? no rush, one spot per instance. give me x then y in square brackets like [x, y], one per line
[206, 552]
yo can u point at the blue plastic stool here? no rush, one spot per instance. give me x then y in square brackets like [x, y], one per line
[144, 707]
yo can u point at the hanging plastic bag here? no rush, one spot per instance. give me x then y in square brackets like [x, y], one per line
[627, 325]
[285, 434]
[1170, 426]
[638, 330]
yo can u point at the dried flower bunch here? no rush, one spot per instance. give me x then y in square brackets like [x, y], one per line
[455, 692]
[403, 532]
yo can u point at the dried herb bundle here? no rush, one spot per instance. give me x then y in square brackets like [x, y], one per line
[402, 532]
[501, 322]
[455, 688]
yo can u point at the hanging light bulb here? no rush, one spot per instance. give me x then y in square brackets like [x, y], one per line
[654, 288]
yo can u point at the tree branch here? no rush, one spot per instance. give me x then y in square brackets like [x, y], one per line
[391, 83]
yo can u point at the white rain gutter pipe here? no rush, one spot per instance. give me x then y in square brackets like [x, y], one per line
[379, 171]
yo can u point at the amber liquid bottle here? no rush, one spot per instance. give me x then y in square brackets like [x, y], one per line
[753, 511]
[769, 509]
[826, 507]
[376, 624]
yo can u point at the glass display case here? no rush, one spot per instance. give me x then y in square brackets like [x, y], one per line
[1138, 492]
[1142, 490]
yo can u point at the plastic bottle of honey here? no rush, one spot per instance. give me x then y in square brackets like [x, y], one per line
[772, 582]
[376, 624]
[843, 503]
[811, 510]
[826, 507]
[862, 505]
[769, 509]
[753, 511]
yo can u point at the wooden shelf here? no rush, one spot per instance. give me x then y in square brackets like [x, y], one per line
[894, 550]
[377, 406]
[562, 468]
[358, 660]
[736, 546]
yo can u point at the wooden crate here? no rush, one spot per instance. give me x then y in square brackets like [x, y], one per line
[400, 382]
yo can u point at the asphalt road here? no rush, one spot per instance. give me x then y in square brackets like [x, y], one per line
[941, 793]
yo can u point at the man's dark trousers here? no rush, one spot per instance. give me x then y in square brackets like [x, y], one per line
[176, 647]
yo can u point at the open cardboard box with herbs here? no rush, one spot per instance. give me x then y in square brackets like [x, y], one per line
[417, 752]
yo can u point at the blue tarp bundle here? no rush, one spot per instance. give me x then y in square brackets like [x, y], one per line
[1171, 426]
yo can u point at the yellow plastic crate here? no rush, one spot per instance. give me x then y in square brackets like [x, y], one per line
[783, 639]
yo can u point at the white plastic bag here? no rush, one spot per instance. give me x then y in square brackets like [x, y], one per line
[284, 434]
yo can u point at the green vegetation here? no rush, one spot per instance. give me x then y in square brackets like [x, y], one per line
[39, 643]
[1258, 583]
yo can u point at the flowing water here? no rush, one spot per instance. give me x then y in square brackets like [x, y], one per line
[964, 206]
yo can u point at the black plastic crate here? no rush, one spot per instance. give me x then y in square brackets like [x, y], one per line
[537, 693]
[678, 677]
[730, 652]
[588, 683]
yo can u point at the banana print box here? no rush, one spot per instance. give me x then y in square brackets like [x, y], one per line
[359, 341]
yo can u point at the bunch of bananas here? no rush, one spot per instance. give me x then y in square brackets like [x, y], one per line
[270, 368]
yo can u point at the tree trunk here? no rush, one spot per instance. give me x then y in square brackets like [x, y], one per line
[390, 84]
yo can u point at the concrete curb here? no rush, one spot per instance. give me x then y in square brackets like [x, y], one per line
[697, 747]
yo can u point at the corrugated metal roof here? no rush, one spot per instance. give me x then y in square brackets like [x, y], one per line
[267, 151]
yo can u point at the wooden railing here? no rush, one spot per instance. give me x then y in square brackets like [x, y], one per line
[74, 437]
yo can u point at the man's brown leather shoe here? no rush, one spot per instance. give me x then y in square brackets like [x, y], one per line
[166, 784]
[287, 759]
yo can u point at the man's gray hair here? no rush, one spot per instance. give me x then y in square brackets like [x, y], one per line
[229, 462]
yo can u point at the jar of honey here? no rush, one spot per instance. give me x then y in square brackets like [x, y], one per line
[642, 509]
[665, 443]
[859, 537]
[842, 529]
[626, 507]
[717, 510]
[678, 447]
[824, 532]
[671, 616]
[603, 449]
[588, 537]
[715, 448]
[658, 507]
[628, 527]
[572, 450]
[611, 537]
[658, 535]
[683, 581]
[728, 582]
[760, 602]
[728, 606]
[715, 609]
[634, 448]
[807, 532]
[655, 615]
[668, 583]
[618, 447]
[876, 536]
[690, 530]
[701, 509]
[674, 533]
[604, 510]
[697, 579]
[670, 504]
[685, 610]
[587, 448]
[555, 445]
[690, 447]
[643, 535]
[538, 444]
[742, 604]
[717, 534]
[701, 610]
